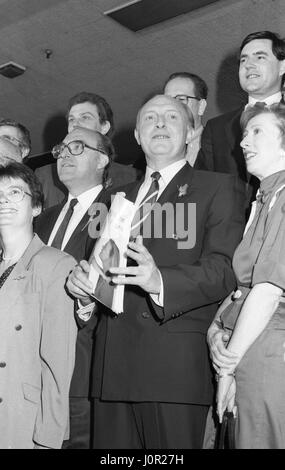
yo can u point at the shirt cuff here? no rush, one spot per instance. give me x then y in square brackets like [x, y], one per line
[85, 313]
[159, 298]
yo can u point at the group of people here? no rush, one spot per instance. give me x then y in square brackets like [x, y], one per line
[197, 321]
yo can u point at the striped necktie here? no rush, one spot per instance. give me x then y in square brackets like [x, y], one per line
[59, 236]
[146, 205]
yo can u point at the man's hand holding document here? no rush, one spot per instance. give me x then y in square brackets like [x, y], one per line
[110, 251]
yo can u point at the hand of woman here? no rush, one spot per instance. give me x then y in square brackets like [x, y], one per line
[225, 395]
[220, 355]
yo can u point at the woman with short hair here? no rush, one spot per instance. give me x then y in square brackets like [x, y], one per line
[251, 321]
[37, 327]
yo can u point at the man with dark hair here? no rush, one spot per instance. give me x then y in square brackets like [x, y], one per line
[17, 134]
[261, 67]
[90, 111]
[192, 91]
[82, 159]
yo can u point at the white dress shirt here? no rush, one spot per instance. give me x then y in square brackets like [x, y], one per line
[166, 175]
[84, 202]
[269, 100]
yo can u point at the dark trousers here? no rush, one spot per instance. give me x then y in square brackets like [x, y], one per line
[80, 413]
[120, 425]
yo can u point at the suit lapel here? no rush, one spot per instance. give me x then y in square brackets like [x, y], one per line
[82, 227]
[14, 286]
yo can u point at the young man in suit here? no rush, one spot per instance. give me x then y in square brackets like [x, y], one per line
[82, 160]
[152, 383]
[261, 67]
[192, 91]
[89, 111]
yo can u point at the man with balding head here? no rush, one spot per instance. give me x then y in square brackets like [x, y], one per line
[82, 161]
[152, 383]
[89, 111]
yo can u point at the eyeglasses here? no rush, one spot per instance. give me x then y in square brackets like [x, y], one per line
[186, 98]
[15, 194]
[76, 147]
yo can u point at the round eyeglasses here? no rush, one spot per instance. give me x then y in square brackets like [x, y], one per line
[186, 98]
[76, 147]
[14, 194]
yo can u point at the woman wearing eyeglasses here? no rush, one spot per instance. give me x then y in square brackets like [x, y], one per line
[37, 327]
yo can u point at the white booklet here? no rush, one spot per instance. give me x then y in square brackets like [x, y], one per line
[110, 251]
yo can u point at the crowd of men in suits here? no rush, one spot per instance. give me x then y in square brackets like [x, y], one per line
[143, 379]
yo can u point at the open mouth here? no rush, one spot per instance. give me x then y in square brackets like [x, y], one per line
[252, 76]
[161, 137]
[5, 210]
[249, 155]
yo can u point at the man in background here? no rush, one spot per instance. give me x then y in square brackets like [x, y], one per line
[261, 67]
[192, 91]
[15, 141]
[89, 111]
[82, 159]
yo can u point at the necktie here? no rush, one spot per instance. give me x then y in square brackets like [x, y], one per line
[146, 205]
[57, 241]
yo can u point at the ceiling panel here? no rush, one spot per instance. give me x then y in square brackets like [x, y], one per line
[94, 53]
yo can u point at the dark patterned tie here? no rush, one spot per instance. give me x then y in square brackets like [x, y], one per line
[146, 205]
[59, 236]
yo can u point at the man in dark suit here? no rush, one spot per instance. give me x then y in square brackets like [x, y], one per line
[90, 111]
[261, 66]
[152, 382]
[81, 168]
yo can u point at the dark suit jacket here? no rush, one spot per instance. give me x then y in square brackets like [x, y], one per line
[55, 191]
[79, 246]
[149, 353]
[221, 151]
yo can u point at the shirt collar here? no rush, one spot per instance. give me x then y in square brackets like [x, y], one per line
[166, 173]
[86, 199]
[269, 100]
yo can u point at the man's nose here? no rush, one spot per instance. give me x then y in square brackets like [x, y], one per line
[250, 62]
[3, 198]
[65, 153]
[160, 121]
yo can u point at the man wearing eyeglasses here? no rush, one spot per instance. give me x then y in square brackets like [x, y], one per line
[82, 159]
[192, 91]
[15, 141]
[90, 111]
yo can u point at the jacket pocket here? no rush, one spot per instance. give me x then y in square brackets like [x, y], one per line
[31, 393]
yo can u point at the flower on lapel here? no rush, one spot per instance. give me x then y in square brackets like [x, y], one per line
[182, 190]
[108, 183]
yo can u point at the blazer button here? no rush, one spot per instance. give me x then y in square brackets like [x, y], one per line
[145, 314]
[2, 364]
[18, 327]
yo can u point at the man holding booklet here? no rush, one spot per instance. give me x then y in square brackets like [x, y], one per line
[152, 383]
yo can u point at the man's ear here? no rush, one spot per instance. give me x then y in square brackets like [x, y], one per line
[137, 137]
[105, 127]
[36, 211]
[189, 135]
[25, 152]
[102, 161]
[202, 107]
